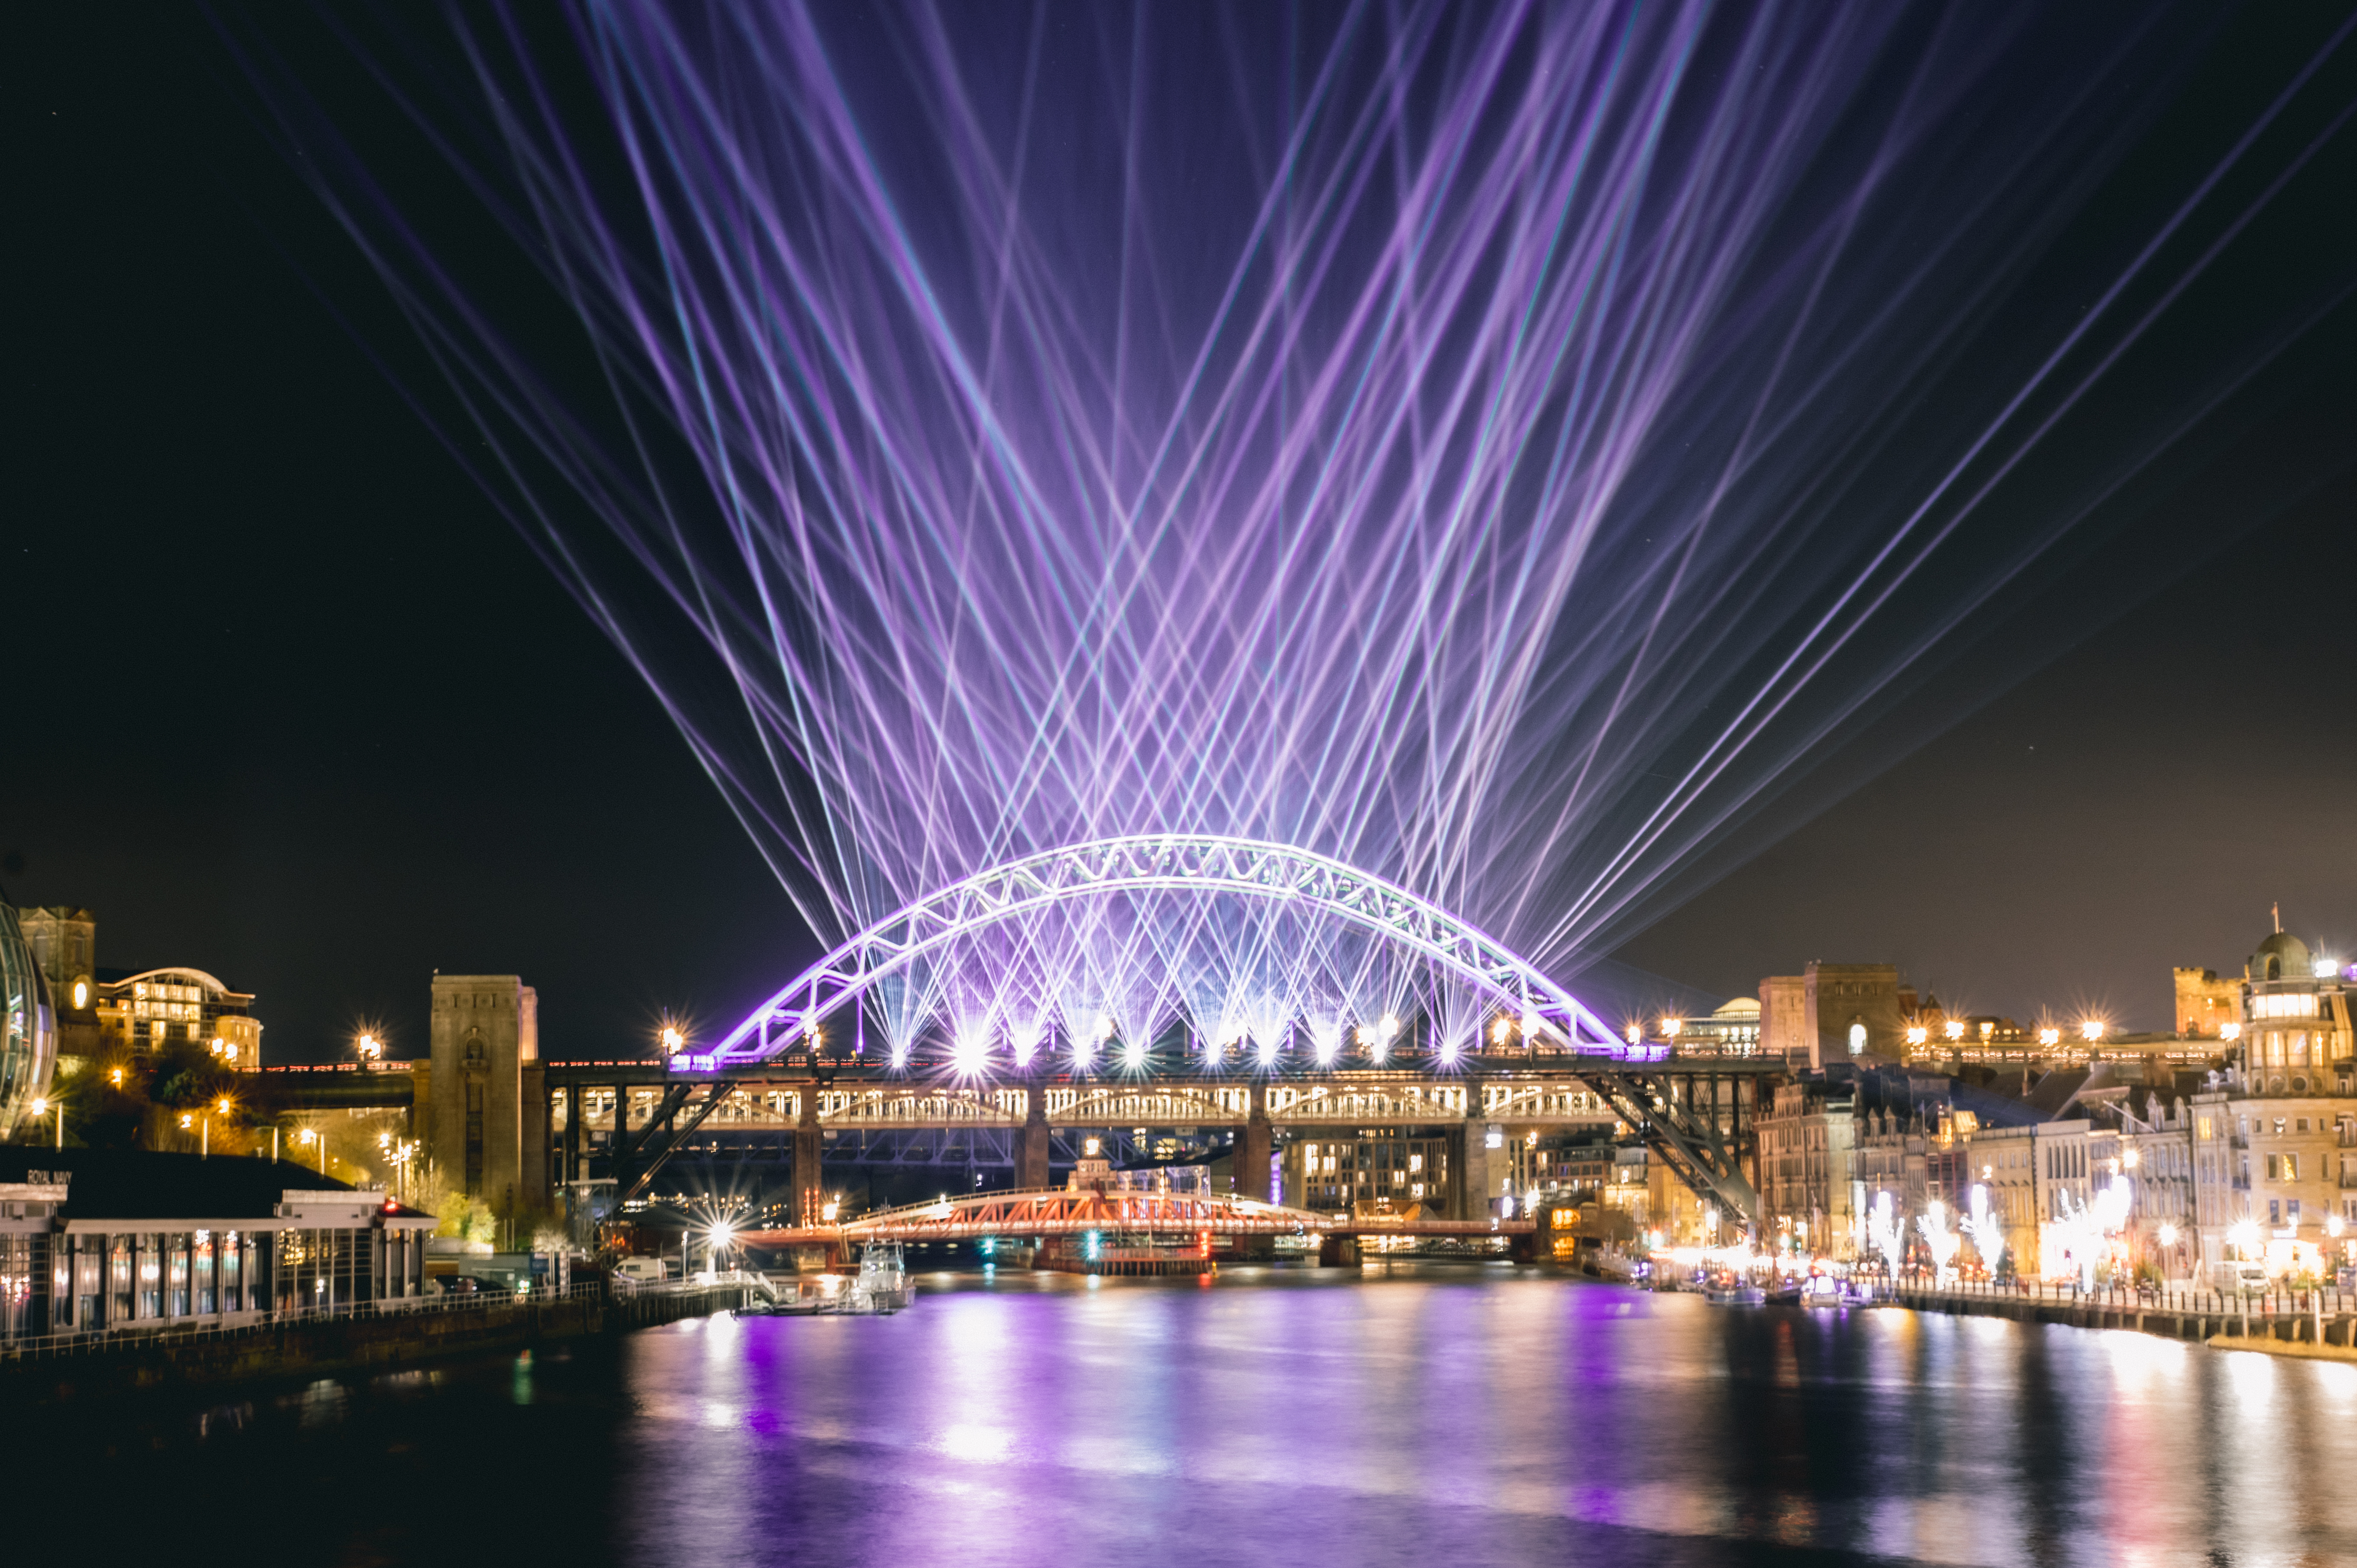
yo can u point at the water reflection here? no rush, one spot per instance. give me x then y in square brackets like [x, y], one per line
[1437, 1418]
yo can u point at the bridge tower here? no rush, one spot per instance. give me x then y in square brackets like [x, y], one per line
[1033, 1144]
[471, 1101]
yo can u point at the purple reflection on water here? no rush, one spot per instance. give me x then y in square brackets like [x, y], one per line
[1459, 1417]
[1432, 1416]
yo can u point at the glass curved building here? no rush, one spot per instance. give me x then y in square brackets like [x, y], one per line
[28, 1030]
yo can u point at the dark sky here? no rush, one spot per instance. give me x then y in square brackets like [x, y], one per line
[296, 706]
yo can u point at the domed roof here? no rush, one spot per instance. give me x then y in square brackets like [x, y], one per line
[1740, 1007]
[2281, 956]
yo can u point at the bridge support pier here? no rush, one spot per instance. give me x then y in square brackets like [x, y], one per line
[1338, 1251]
[1470, 1153]
[809, 1182]
[1032, 1142]
[1255, 1144]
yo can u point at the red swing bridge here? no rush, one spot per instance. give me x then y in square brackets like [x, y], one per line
[1041, 1217]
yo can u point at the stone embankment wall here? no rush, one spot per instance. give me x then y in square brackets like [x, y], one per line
[323, 1348]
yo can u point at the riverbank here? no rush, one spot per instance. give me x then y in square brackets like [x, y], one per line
[307, 1347]
[2301, 1348]
[2204, 1320]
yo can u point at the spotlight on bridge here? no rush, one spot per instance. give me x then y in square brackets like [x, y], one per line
[971, 1055]
[1133, 1056]
[1268, 1050]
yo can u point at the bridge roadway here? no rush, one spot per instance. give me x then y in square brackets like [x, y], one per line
[1695, 1109]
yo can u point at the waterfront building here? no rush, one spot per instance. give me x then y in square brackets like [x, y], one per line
[2157, 1153]
[1893, 1144]
[105, 1241]
[2274, 1132]
[1809, 1194]
[2003, 1161]
[1333, 1175]
[2073, 1158]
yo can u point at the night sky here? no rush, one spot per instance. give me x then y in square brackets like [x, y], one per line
[296, 706]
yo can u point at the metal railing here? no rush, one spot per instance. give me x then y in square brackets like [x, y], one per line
[149, 1332]
[2280, 1302]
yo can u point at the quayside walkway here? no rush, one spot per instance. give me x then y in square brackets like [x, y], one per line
[2323, 1318]
[371, 1337]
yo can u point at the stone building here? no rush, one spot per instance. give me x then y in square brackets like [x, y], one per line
[1845, 1011]
[471, 1092]
[2274, 1133]
[1785, 1021]
[1808, 1187]
[2206, 1005]
[64, 941]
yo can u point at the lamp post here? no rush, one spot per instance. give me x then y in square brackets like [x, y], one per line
[42, 1106]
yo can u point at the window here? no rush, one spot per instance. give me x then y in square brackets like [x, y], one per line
[2291, 1173]
[2280, 1126]
[2271, 1165]
[2291, 1210]
[2274, 1212]
[2302, 1125]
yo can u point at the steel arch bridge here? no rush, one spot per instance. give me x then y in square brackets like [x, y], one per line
[1203, 863]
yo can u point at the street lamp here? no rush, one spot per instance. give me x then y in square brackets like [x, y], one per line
[42, 1105]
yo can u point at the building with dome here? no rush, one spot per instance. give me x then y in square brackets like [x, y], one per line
[2275, 1135]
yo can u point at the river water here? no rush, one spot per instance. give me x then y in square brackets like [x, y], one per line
[1444, 1414]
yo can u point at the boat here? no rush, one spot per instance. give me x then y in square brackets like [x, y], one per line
[1827, 1291]
[1734, 1294]
[882, 1285]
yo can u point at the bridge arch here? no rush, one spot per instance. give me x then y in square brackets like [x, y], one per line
[1208, 864]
